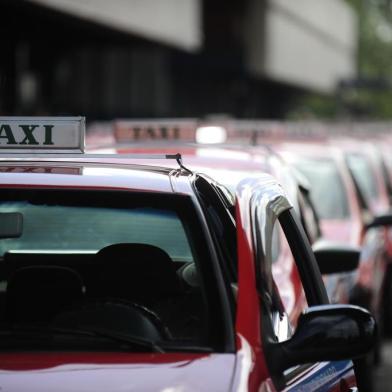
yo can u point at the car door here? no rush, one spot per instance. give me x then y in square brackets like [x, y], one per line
[263, 212]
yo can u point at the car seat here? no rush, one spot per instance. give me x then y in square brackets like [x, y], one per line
[145, 275]
[138, 272]
[38, 293]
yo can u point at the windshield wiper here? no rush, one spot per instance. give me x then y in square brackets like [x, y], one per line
[87, 331]
[97, 332]
[120, 337]
[161, 347]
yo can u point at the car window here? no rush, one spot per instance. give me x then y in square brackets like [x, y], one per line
[288, 272]
[385, 175]
[122, 268]
[288, 286]
[327, 189]
[361, 170]
[309, 218]
[286, 290]
[275, 244]
[296, 281]
[92, 228]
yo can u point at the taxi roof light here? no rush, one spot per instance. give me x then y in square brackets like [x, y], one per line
[42, 135]
[142, 130]
[211, 134]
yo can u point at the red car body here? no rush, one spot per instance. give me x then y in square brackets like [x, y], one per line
[374, 276]
[247, 368]
[79, 311]
[335, 198]
[363, 192]
[229, 165]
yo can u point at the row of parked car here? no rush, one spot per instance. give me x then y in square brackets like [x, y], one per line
[340, 184]
[153, 261]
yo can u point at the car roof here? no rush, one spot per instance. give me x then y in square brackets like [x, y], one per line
[49, 151]
[95, 172]
[225, 164]
[236, 157]
[228, 164]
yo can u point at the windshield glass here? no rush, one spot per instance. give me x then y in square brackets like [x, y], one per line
[327, 189]
[362, 172]
[92, 228]
[94, 270]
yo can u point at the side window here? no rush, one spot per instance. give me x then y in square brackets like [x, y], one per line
[323, 175]
[361, 170]
[275, 244]
[220, 216]
[288, 279]
[287, 284]
[386, 177]
[287, 275]
[309, 218]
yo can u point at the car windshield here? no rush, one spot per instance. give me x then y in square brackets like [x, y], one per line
[363, 175]
[327, 189]
[94, 270]
[78, 228]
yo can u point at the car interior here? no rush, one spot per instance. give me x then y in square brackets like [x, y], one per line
[125, 289]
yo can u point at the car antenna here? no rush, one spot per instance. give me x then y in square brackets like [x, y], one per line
[178, 158]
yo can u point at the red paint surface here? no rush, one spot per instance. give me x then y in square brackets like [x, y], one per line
[41, 360]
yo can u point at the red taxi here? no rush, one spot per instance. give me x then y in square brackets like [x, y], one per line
[120, 275]
[229, 164]
[375, 273]
[334, 195]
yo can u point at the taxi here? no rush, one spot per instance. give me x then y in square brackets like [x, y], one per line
[339, 210]
[119, 274]
[375, 273]
[336, 199]
[229, 164]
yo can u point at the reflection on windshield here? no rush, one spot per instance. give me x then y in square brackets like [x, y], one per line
[87, 228]
[101, 271]
[363, 175]
[327, 189]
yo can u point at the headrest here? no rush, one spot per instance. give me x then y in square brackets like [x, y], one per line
[136, 271]
[37, 293]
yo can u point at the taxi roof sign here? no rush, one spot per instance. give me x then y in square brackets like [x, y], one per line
[136, 130]
[42, 134]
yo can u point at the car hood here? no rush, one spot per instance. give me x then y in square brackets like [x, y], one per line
[114, 372]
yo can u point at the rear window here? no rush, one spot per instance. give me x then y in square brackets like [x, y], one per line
[327, 189]
[80, 228]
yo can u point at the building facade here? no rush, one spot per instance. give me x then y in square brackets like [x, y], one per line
[138, 58]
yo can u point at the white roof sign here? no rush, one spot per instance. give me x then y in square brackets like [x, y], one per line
[42, 134]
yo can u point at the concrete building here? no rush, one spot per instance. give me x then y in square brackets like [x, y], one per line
[137, 58]
[310, 44]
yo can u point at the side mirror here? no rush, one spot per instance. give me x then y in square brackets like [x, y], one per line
[327, 333]
[334, 257]
[380, 220]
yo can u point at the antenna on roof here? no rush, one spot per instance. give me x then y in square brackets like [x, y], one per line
[178, 158]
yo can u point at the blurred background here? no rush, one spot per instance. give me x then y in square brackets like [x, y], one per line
[178, 58]
[328, 60]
